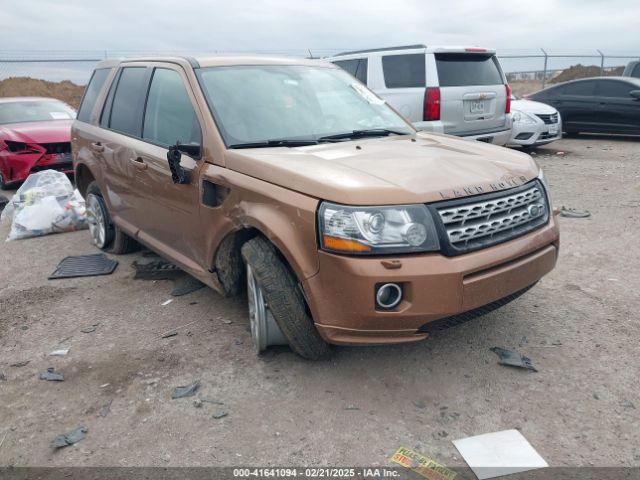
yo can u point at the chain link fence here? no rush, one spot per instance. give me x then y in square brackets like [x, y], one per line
[527, 70]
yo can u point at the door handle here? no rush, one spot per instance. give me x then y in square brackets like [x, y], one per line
[139, 163]
[97, 147]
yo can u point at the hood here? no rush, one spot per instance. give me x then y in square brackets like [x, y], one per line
[529, 106]
[389, 170]
[53, 131]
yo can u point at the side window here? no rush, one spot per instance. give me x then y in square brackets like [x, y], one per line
[613, 88]
[349, 66]
[404, 71]
[361, 72]
[636, 71]
[581, 89]
[169, 116]
[91, 93]
[126, 110]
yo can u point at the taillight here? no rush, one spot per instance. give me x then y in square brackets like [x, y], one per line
[507, 105]
[432, 104]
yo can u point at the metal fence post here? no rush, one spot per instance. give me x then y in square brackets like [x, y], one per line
[601, 62]
[544, 74]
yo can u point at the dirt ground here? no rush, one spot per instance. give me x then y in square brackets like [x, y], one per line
[579, 325]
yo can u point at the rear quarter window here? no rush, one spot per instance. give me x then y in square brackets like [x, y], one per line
[91, 93]
[126, 110]
[356, 67]
[613, 88]
[636, 71]
[404, 71]
[463, 69]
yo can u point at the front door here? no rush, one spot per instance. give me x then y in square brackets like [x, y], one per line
[168, 213]
[619, 111]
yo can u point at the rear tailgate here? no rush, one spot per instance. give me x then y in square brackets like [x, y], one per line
[472, 93]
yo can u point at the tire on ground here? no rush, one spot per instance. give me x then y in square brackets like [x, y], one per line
[117, 241]
[284, 298]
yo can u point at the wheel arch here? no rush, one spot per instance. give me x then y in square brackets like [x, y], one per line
[84, 177]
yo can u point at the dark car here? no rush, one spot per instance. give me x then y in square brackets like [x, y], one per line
[596, 105]
[632, 70]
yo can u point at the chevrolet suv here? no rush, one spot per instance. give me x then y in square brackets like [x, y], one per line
[456, 90]
[292, 180]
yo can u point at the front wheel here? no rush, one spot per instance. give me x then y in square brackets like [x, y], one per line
[277, 309]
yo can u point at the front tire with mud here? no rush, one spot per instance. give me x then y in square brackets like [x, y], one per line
[105, 234]
[284, 298]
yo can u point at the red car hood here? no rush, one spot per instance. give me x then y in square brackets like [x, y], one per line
[53, 131]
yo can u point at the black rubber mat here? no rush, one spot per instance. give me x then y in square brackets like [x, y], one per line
[84, 266]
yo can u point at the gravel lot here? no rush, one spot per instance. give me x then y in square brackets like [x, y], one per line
[580, 326]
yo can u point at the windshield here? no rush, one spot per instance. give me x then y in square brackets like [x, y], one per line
[34, 111]
[276, 102]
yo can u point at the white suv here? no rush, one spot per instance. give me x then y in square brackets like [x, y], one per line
[454, 90]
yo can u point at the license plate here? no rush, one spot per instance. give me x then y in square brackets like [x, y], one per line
[553, 130]
[477, 106]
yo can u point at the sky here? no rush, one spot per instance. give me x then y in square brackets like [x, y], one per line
[320, 25]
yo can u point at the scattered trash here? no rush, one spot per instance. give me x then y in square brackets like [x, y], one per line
[69, 438]
[105, 385]
[197, 403]
[151, 381]
[214, 402]
[170, 334]
[422, 465]
[218, 414]
[45, 203]
[24, 363]
[351, 407]
[186, 391]
[90, 329]
[185, 285]
[156, 270]
[573, 213]
[499, 453]
[627, 404]
[104, 411]
[166, 302]
[560, 153]
[227, 322]
[513, 359]
[84, 266]
[174, 331]
[51, 375]
[60, 353]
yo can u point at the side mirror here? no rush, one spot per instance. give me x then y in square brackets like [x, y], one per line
[635, 94]
[178, 174]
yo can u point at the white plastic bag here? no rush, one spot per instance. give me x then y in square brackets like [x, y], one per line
[45, 203]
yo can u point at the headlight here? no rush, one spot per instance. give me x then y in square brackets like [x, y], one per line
[376, 230]
[522, 117]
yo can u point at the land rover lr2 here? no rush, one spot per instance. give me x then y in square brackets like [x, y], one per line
[291, 179]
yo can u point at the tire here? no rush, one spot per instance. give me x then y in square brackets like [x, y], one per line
[105, 234]
[284, 299]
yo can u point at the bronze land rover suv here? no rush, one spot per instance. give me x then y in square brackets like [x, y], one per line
[290, 177]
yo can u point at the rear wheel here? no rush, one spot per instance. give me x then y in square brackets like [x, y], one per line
[104, 233]
[277, 308]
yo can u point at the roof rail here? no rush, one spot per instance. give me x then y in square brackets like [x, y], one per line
[402, 47]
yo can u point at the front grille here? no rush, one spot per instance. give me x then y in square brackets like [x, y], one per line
[484, 220]
[455, 320]
[549, 118]
[60, 147]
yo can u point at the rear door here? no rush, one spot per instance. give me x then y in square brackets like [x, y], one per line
[404, 83]
[618, 110]
[577, 105]
[472, 93]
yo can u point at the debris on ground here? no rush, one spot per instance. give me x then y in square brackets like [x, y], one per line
[218, 414]
[185, 285]
[60, 353]
[573, 213]
[170, 334]
[560, 153]
[197, 403]
[214, 402]
[166, 302]
[422, 465]
[627, 404]
[419, 404]
[24, 363]
[84, 266]
[45, 203]
[3, 377]
[351, 407]
[185, 391]
[156, 270]
[69, 438]
[513, 359]
[500, 453]
[89, 329]
[104, 411]
[3, 202]
[51, 375]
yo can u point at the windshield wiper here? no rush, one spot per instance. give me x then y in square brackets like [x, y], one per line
[283, 142]
[372, 132]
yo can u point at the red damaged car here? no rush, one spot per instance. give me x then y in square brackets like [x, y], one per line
[35, 134]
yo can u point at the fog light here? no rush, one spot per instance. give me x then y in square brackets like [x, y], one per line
[388, 295]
